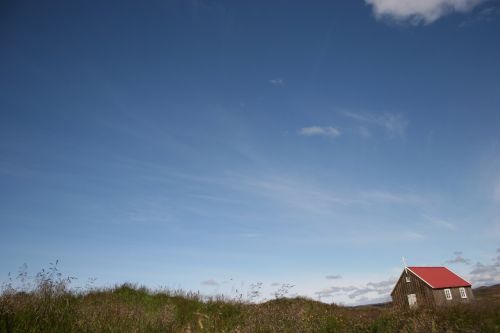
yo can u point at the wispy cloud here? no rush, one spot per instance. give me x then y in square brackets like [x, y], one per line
[328, 131]
[382, 284]
[496, 191]
[487, 274]
[394, 125]
[458, 259]
[277, 82]
[364, 132]
[379, 288]
[333, 277]
[386, 197]
[439, 222]
[487, 14]
[481, 274]
[298, 196]
[396, 236]
[370, 300]
[330, 291]
[210, 282]
[419, 11]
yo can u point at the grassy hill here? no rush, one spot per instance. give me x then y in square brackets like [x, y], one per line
[489, 294]
[51, 307]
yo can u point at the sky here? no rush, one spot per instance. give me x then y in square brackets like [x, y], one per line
[294, 147]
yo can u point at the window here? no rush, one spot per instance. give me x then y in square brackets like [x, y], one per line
[463, 294]
[447, 293]
[408, 279]
[412, 300]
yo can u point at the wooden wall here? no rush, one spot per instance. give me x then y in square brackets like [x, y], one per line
[425, 296]
[440, 298]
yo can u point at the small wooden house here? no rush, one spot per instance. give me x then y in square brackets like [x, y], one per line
[430, 286]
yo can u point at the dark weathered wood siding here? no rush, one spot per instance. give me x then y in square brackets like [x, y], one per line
[440, 297]
[416, 286]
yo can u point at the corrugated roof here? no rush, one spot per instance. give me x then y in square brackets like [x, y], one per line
[439, 277]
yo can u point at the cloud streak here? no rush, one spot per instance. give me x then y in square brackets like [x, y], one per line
[439, 222]
[485, 15]
[394, 125]
[277, 82]
[386, 197]
[419, 11]
[327, 131]
[496, 192]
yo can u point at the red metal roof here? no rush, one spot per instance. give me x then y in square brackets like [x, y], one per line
[439, 277]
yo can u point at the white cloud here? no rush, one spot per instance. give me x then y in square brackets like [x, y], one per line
[318, 130]
[393, 124]
[419, 11]
[375, 300]
[277, 82]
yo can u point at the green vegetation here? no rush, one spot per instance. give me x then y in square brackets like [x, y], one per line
[50, 306]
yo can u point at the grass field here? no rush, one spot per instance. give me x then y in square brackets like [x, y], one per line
[50, 306]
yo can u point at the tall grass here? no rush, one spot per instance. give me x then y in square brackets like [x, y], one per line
[49, 305]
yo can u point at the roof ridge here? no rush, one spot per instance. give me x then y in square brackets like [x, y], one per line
[430, 266]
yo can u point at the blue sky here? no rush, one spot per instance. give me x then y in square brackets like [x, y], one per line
[208, 145]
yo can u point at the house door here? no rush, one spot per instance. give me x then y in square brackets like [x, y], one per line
[412, 300]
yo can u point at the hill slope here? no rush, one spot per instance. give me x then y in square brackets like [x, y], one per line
[490, 294]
